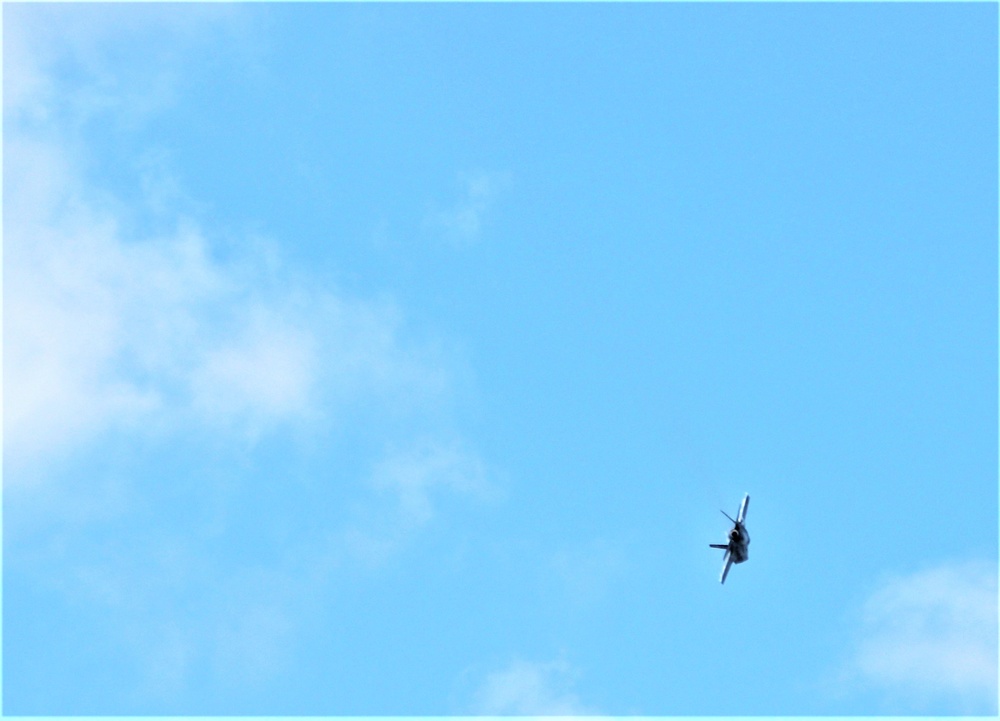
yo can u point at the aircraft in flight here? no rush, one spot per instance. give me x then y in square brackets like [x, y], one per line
[737, 550]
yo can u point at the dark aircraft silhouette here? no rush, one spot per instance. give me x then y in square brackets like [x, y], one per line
[737, 550]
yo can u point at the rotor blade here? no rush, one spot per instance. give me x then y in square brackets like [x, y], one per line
[726, 515]
[719, 545]
[741, 516]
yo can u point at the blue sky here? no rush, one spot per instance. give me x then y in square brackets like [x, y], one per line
[396, 359]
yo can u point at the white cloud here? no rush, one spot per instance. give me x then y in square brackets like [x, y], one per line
[108, 331]
[158, 41]
[526, 688]
[104, 331]
[410, 484]
[413, 475]
[932, 635]
[111, 327]
[63, 325]
[267, 372]
[462, 224]
[589, 571]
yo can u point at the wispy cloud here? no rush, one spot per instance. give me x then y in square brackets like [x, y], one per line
[116, 328]
[462, 223]
[408, 485]
[530, 688]
[589, 570]
[108, 329]
[932, 636]
[159, 40]
[105, 326]
[105, 331]
[269, 371]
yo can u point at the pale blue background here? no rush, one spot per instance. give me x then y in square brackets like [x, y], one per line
[724, 249]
